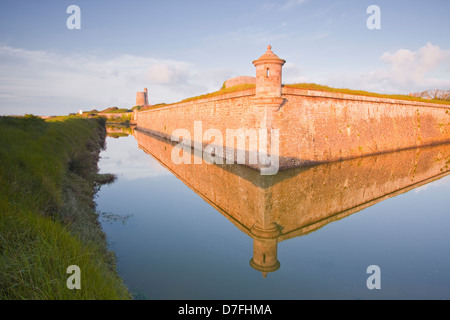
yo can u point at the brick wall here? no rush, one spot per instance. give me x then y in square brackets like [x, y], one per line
[323, 127]
[314, 126]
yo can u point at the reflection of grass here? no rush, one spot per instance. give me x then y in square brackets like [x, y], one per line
[318, 87]
[117, 134]
[117, 130]
[47, 213]
[117, 126]
[124, 119]
[104, 178]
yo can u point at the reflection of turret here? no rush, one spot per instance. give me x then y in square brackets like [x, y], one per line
[292, 203]
[265, 244]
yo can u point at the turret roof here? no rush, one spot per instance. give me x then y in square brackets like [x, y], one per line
[269, 56]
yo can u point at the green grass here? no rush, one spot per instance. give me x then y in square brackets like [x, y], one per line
[123, 119]
[93, 111]
[116, 110]
[47, 214]
[154, 106]
[222, 91]
[318, 87]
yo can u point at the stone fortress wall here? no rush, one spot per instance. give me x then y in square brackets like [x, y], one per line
[314, 126]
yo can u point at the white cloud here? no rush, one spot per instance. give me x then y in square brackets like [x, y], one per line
[408, 68]
[445, 181]
[406, 71]
[129, 162]
[47, 83]
[44, 82]
[164, 73]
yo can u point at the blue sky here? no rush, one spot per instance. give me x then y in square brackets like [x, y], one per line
[179, 49]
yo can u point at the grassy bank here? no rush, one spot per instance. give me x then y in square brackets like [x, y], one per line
[48, 177]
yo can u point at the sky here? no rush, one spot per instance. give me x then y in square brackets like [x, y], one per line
[180, 49]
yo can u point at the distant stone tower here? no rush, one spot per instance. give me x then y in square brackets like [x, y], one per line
[268, 74]
[142, 98]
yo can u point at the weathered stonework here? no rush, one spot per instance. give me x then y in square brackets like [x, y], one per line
[325, 127]
[314, 126]
[268, 74]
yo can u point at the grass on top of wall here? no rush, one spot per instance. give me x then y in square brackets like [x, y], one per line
[318, 87]
[306, 86]
[222, 91]
[47, 214]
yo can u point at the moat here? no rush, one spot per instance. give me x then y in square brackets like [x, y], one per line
[204, 231]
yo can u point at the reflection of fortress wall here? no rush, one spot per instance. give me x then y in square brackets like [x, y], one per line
[302, 197]
[326, 193]
[295, 202]
[315, 126]
[222, 189]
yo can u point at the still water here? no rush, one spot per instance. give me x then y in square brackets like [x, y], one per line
[204, 231]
